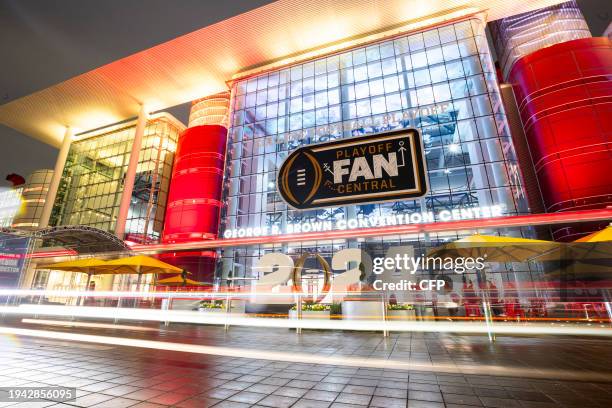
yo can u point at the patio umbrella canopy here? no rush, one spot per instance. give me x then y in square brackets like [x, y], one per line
[495, 249]
[141, 264]
[178, 280]
[594, 247]
[89, 266]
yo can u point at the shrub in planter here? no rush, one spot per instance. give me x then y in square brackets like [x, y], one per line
[311, 309]
[399, 311]
[211, 306]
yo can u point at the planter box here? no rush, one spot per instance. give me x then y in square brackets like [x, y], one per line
[237, 306]
[307, 314]
[362, 310]
[401, 315]
[207, 310]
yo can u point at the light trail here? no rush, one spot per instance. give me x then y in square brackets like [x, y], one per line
[186, 316]
[66, 323]
[310, 358]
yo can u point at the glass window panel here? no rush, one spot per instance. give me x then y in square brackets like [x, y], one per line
[320, 67]
[333, 96]
[447, 34]
[333, 63]
[262, 97]
[377, 87]
[467, 47]
[393, 102]
[362, 90]
[463, 108]
[308, 70]
[391, 84]
[296, 105]
[425, 95]
[262, 82]
[431, 38]
[284, 76]
[434, 56]
[421, 77]
[419, 59]
[359, 57]
[463, 29]
[401, 46]
[373, 53]
[459, 88]
[438, 73]
[346, 60]
[451, 51]
[296, 88]
[296, 73]
[308, 85]
[482, 105]
[374, 69]
[321, 99]
[308, 119]
[454, 69]
[295, 122]
[334, 113]
[333, 80]
[476, 85]
[363, 108]
[308, 102]
[349, 110]
[388, 66]
[472, 66]
[361, 73]
[273, 79]
[348, 92]
[416, 42]
[252, 85]
[251, 99]
[442, 92]
[386, 49]
[322, 116]
[272, 94]
[378, 105]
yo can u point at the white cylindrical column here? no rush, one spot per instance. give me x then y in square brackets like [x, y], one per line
[130, 175]
[55, 179]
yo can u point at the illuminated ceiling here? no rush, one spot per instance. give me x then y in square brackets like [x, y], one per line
[199, 63]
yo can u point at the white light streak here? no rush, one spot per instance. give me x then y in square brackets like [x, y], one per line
[311, 358]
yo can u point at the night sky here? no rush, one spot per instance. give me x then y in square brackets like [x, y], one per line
[44, 42]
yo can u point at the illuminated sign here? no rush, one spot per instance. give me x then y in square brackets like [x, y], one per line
[455, 214]
[366, 169]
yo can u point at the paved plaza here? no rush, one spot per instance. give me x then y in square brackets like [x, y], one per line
[517, 371]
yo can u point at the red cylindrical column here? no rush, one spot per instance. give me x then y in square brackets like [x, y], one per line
[194, 199]
[564, 93]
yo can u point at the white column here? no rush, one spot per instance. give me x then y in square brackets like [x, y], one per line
[55, 179]
[130, 175]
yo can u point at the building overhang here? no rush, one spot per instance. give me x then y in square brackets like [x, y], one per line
[200, 63]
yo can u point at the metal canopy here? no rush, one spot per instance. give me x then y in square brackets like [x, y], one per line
[81, 239]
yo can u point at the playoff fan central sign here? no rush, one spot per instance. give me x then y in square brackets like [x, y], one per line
[374, 168]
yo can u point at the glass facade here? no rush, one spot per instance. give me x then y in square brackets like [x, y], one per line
[441, 81]
[94, 174]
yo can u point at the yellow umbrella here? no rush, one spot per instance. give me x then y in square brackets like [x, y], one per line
[178, 280]
[605, 235]
[494, 248]
[597, 245]
[90, 266]
[141, 264]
